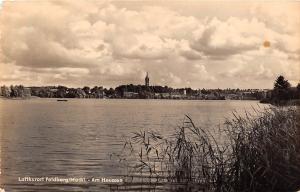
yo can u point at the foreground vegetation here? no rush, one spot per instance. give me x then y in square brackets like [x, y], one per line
[261, 153]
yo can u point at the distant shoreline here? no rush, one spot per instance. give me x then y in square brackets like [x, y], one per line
[188, 99]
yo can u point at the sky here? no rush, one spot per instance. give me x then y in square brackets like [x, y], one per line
[198, 44]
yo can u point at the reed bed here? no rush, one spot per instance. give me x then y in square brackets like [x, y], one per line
[262, 153]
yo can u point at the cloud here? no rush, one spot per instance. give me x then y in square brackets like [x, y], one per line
[142, 46]
[86, 42]
[225, 38]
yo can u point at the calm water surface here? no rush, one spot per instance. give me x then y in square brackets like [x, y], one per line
[43, 137]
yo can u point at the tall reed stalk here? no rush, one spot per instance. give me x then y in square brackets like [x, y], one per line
[262, 153]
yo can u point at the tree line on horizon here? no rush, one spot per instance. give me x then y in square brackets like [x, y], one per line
[282, 91]
[99, 91]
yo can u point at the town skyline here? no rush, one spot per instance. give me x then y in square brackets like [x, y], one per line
[146, 82]
[193, 44]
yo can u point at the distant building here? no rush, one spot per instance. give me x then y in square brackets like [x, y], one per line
[26, 92]
[165, 95]
[233, 96]
[130, 95]
[199, 94]
[266, 94]
[177, 95]
[211, 96]
[147, 80]
[162, 95]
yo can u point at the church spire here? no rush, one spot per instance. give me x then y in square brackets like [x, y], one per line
[147, 80]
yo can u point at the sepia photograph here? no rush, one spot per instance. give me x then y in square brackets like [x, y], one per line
[149, 96]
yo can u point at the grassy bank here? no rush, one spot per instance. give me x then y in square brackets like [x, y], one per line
[261, 153]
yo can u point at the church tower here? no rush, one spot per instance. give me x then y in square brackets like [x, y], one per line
[147, 80]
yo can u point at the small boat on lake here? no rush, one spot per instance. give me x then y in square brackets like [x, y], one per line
[61, 100]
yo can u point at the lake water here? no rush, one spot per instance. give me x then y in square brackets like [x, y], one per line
[46, 138]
